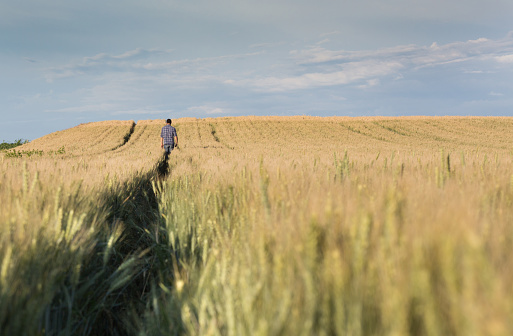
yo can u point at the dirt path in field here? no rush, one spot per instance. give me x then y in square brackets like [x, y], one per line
[140, 213]
[134, 207]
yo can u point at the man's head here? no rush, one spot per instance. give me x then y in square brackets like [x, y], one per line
[168, 121]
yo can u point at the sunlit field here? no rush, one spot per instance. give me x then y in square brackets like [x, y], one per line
[261, 226]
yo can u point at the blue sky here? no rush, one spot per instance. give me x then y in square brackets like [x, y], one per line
[65, 62]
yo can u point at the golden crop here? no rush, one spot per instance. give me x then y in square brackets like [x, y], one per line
[263, 226]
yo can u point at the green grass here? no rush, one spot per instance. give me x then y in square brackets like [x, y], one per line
[8, 145]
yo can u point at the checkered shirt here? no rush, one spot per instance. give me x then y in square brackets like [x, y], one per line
[168, 133]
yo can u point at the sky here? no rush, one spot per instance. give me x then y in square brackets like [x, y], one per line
[64, 62]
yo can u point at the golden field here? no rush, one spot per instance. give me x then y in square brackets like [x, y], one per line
[261, 226]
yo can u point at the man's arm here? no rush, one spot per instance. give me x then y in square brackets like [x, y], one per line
[176, 140]
[161, 142]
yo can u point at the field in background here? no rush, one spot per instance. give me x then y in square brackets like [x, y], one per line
[263, 226]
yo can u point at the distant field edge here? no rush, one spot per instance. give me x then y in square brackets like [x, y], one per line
[183, 120]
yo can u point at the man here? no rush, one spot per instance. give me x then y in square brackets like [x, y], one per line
[168, 138]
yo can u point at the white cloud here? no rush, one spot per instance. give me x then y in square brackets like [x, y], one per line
[324, 67]
[505, 59]
[496, 94]
[129, 53]
[86, 108]
[142, 111]
[207, 109]
[370, 83]
[315, 66]
[143, 61]
[124, 83]
[418, 55]
[326, 40]
[103, 63]
[351, 72]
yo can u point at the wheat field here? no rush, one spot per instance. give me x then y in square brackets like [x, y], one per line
[260, 226]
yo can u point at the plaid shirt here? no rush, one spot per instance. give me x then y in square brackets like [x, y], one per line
[168, 133]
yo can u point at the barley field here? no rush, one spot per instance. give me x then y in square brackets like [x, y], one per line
[260, 226]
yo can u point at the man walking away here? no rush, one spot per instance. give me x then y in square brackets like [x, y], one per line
[168, 138]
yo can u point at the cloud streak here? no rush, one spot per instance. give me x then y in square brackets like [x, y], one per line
[207, 109]
[123, 83]
[324, 67]
[350, 73]
[301, 69]
[159, 64]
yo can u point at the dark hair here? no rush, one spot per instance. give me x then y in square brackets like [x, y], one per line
[168, 121]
